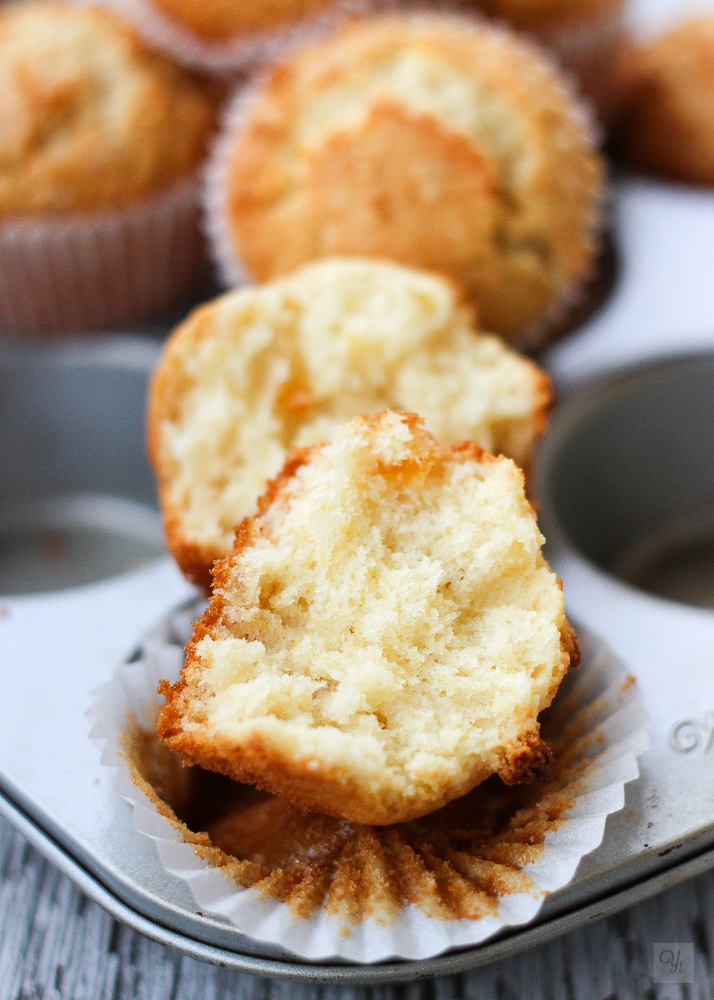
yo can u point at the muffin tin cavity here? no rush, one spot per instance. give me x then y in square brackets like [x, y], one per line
[77, 498]
[627, 474]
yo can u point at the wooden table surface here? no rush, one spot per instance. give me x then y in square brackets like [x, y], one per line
[57, 945]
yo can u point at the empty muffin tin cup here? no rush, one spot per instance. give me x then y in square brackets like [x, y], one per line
[77, 501]
[626, 478]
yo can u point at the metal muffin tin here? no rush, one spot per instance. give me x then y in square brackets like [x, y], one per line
[625, 482]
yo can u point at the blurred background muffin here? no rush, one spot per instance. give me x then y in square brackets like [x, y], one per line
[585, 35]
[262, 370]
[667, 127]
[228, 36]
[220, 20]
[100, 143]
[431, 140]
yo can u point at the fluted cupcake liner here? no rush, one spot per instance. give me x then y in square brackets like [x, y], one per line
[102, 269]
[326, 888]
[229, 266]
[244, 52]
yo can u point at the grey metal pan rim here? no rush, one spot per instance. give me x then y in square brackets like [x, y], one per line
[346, 975]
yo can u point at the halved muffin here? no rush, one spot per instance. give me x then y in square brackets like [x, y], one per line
[383, 635]
[265, 369]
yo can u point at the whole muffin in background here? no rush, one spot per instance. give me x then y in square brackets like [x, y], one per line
[585, 35]
[220, 20]
[91, 119]
[667, 127]
[431, 140]
[100, 143]
[223, 19]
[383, 635]
[266, 369]
[228, 36]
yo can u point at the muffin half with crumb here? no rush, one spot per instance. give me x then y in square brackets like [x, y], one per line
[265, 369]
[384, 634]
[433, 140]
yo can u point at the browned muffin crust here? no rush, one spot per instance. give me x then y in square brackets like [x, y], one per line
[342, 337]
[315, 772]
[223, 20]
[500, 190]
[531, 14]
[89, 118]
[456, 863]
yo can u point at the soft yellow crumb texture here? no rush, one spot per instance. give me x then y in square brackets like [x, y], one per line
[384, 635]
[266, 369]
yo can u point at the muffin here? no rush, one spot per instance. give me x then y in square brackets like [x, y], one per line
[668, 125]
[223, 36]
[325, 888]
[496, 180]
[265, 369]
[100, 141]
[384, 633]
[218, 20]
[585, 35]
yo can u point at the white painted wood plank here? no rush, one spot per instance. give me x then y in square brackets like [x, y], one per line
[57, 945]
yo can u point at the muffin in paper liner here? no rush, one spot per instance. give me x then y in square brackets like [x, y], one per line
[244, 52]
[577, 301]
[326, 888]
[89, 271]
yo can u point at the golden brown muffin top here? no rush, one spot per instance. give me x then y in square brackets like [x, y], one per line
[668, 127]
[89, 118]
[221, 20]
[431, 140]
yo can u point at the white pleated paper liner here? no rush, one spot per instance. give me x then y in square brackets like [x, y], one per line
[230, 269]
[242, 52]
[99, 270]
[603, 731]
